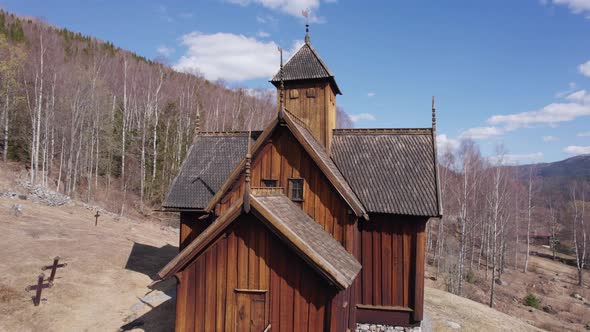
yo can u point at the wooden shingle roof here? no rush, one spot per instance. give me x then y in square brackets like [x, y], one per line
[306, 64]
[306, 237]
[390, 170]
[316, 152]
[209, 161]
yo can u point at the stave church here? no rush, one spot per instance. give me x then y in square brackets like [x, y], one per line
[303, 226]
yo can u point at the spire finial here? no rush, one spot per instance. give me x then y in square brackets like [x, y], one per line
[198, 124]
[305, 14]
[246, 199]
[282, 86]
[433, 114]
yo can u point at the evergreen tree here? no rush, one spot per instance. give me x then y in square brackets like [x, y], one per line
[16, 32]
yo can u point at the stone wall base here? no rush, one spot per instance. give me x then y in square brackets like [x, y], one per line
[385, 328]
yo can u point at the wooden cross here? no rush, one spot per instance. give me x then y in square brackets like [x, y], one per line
[53, 268]
[96, 216]
[39, 288]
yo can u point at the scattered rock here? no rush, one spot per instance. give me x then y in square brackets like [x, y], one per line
[16, 210]
[433, 278]
[501, 282]
[549, 309]
[385, 328]
[531, 310]
[453, 325]
[577, 296]
[23, 197]
[587, 327]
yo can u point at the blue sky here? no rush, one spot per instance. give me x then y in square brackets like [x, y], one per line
[512, 72]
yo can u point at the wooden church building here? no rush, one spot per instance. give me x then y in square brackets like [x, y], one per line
[303, 226]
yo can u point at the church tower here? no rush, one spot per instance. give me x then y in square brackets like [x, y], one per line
[310, 91]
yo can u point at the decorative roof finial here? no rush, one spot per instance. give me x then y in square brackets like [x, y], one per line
[198, 124]
[433, 115]
[282, 86]
[246, 199]
[197, 127]
[305, 14]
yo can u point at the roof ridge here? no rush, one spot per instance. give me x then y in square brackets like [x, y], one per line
[320, 59]
[381, 131]
[227, 133]
[301, 122]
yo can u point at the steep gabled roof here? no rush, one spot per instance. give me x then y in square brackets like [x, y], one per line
[306, 64]
[308, 239]
[316, 152]
[391, 170]
[209, 161]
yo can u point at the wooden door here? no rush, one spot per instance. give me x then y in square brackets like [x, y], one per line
[250, 311]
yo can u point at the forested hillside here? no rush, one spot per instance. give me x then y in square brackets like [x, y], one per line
[100, 123]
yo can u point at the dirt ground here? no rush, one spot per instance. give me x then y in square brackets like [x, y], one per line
[103, 287]
[551, 281]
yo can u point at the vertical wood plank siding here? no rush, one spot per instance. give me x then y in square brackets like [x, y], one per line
[392, 256]
[317, 112]
[283, 158]
[190, 227]
[295, 297]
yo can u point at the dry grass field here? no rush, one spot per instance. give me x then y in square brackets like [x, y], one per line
[552, 282]
[103, 287]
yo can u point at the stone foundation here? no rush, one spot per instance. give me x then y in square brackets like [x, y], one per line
[385, 328]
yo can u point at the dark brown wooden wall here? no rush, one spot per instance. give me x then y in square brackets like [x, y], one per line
[283, 158]
[392, 256]
[250, 257]
[190, 227]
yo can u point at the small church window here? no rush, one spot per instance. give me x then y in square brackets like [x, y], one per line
[294, 94]
[296, 189]
[269, 183]
[310, 93]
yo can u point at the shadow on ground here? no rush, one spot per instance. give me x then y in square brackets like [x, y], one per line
[148, 259]
[159, 319]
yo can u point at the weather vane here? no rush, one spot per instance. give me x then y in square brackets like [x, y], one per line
[305, 14]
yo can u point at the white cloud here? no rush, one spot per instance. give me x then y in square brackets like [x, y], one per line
[266, 19]
[551, 114]
[229, 57]
[585, 67]
[576, 6]
[572, 87]
[291, 7]
[165, 50]
[481, 132]
[584, 134]
[263, 34]
[579, 96]
[371, 94]
[512, 159]
[574, 149]
[445, 142]
[550, 138]
[362, 116]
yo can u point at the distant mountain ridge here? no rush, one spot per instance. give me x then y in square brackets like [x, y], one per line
[558, 175]
[574, 167]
